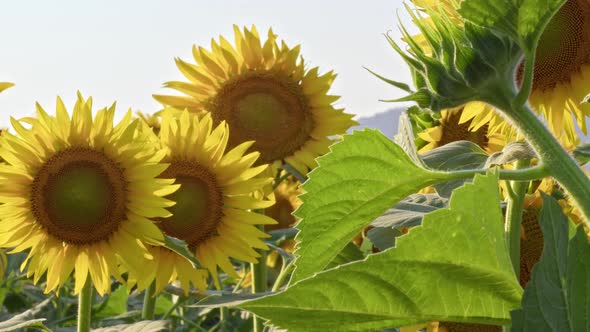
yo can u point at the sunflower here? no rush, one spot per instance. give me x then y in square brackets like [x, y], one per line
[265, 95]
[286, 202]
[450, 129]
[77, 194]
[5, 85]
[151, 120]
[213, 205]
[561, 75]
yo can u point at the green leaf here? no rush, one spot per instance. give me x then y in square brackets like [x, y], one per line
[27, 319]
[455, 267]
[556, 297]
[383, 238]
[582, 153]
[454, 156]
[513, 151]
[350, 253]
[180, 247]
[405, 137]
[143, 326]
[364, 175]
[523, 20]
[114, 304]
[409, 212]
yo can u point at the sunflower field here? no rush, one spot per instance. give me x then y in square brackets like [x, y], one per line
[246, 203]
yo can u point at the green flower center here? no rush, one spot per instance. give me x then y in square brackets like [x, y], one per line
[564, 46]
[267, 108]
[78, 196]
[199, 203]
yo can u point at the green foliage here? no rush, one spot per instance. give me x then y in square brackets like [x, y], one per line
[350, 253]
[512, 152]
[26, 319]
[582, 153]
[523, 20]
[455, 267]
[556, 297]
[115, 304]
[454, 156]
[143, 326]
[181, 248]
[363, 176]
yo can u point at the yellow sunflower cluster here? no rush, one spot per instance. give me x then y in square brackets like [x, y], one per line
[265, 94]
[89, 197]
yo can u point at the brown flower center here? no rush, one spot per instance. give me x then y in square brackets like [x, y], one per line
[564, 46]
[267, 108]
[199, 203]
[464, 327]
[453, 131]
[531, 244]
[78, 196]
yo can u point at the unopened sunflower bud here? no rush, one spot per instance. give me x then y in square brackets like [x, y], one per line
[457, 62]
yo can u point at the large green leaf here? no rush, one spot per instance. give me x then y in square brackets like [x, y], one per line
[364, 175]
[454, 156]
[523, 20]
[557, 296]
[455, 267]
[114, 304]
[27, 319]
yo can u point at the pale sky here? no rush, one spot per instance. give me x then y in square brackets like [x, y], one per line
[124, 50]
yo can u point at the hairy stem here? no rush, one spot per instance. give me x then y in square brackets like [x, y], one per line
[514, 210]
[85, 306]
[526, 174]
[560, 165]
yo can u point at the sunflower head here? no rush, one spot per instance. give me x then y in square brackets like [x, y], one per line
[286, 201]
[213, 211]
[449, 128]
[264, 93]
[150, 120]
[77, 194]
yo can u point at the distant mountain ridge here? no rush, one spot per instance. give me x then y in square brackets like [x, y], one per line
[386, 122]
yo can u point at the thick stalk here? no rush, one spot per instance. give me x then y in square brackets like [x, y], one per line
[561, 165]
[149, 302]
[514, 208]
[85, 306]
[259, 281]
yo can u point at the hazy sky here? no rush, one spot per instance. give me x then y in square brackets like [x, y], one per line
[124, 50]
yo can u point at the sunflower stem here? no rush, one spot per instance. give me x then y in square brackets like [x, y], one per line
[149, 302]
[526, 174]
[85, 306]
[259, 280]
[285, 270]
[559, 163]
[514, 208]
[527, 80]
